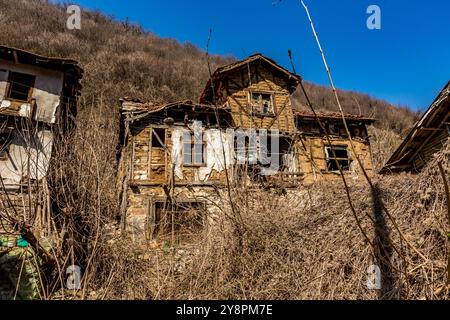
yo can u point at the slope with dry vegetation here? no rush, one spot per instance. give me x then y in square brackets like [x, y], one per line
[302, 245]
[122, 59]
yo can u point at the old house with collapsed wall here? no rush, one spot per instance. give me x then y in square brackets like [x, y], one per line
[38, 104]
[427, 137]
[38, 98]
[244, 130]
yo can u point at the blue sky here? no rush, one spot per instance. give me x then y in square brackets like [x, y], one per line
[406, 62]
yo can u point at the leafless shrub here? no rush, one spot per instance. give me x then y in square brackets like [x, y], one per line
[383, 144]
[300, 244]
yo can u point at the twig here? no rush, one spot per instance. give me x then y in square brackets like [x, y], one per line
[447, 194]
[369, 181]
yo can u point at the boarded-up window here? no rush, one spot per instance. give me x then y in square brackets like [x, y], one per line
[20, 86]
[262, 103]
[158, 138]
[193, 150]
[337, 156]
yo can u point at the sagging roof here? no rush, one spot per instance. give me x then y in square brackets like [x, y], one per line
[73, 73]
[431, 123]
[293, 79]
[139, 110]
[19, 56]
[333, 116]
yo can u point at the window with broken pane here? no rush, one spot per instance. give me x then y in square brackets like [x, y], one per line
[337, 157]
[185, 218]
[5, 139]
[20, 86]
[158, 138]
[262, 103]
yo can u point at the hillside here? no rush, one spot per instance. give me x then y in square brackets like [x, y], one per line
[122, 59]
[252, 242]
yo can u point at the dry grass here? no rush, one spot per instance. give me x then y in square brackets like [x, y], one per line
[299, 245]
[383, 144]
[303, 245]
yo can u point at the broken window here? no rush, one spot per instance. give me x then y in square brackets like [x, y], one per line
[337, 157]
[194, 150]
[287, 156]
[5, 139]
[158, 138]
[262, 103]
[20, 86]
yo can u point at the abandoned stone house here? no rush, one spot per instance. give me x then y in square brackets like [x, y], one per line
[37, 100]
[427, 137]
[181, 155]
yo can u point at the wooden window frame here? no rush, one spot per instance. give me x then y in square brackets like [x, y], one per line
[271, 113]
[329, 157]
[192, 144]
[9, 87]
[155, 223]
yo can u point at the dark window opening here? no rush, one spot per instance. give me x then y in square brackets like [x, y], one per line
[5, 139]
[20, 86]
[337, 157]
[287, 155]
[182, 218]
[158, 138]
[358, 131]
[262, 103]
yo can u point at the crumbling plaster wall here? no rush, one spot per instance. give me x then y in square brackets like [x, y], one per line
[27, 157]
[47, 90]
[218, 153]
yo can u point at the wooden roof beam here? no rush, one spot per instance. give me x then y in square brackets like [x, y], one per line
[427, 139]
[432, 129]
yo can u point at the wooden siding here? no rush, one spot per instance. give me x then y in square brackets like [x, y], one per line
[313, 162]
[429, 149]
[238, 89]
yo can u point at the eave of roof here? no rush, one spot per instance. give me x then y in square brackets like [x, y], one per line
[26, 57]
[333, 116]
[436, 112]
[221, 71]
[136, 106]
[250, 59]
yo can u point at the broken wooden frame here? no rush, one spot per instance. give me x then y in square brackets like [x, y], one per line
[426, 137]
